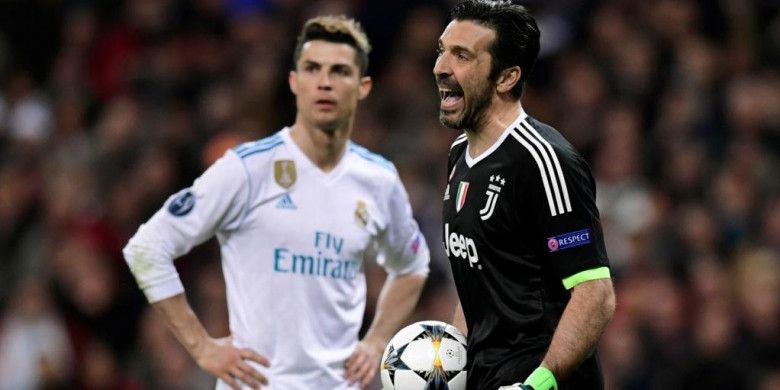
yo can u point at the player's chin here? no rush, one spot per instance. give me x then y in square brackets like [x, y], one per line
[451, 119]
[329, 124]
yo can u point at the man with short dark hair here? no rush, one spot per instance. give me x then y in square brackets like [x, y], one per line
[521, 228]
[295, 214]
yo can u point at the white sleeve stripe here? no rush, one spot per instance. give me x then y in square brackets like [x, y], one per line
[541, 170]
[248, 191]
[550, 170]
[461, 139]
[556, 174]
[557, 163]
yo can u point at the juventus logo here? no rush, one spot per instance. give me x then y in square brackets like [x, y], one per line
[494, 189]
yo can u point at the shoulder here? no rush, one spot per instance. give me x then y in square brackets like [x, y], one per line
[457, 148]
[554, 165]
[256, 156]
[252, 160]
[254, 148]
[373, 162]
[541, 143]
[458, 142]
[458, 145]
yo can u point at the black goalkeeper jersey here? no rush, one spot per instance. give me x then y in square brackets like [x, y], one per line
[520, 226]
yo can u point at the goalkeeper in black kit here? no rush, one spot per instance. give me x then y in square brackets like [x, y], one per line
[521, 228]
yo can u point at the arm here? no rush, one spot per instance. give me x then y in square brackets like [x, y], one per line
[213, 203]
[586, 316]
[215, 356]
[459, 319]
[403, 253]
[583, 269]
[396, 301]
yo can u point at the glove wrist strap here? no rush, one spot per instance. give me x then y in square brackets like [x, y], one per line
[542, 379]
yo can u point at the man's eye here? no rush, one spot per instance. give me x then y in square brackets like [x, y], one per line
[439, 52]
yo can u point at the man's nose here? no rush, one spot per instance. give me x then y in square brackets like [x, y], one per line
[324, 81]
[441, 68]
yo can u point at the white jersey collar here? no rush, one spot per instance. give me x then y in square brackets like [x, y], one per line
[471, 161]
[301, 157]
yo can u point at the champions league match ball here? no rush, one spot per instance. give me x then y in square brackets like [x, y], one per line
[428, 355]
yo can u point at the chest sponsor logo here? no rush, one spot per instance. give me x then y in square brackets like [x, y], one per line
[568, 240]
[495, 185]
[327, 258]
[285, 173]
[460, 246]
[460, 200]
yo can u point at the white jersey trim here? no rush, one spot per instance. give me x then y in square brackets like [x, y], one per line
[549, 167]
[557, 163]
[461, 139]
[471, 161]
[542, 170]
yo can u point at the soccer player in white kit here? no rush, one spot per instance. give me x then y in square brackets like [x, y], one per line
[295, 215]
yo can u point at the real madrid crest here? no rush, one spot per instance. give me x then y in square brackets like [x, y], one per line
[361, 213]
[285, 173]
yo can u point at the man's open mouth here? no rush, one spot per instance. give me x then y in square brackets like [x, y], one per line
[450, 98]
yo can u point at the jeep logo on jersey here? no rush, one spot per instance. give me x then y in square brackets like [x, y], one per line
[284, 173]
[494, 189]
[182, 204]
[460, 246]
[460, 199]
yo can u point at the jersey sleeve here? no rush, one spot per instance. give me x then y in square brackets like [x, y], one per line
[216, 201]
[563, 198]
[402, 248]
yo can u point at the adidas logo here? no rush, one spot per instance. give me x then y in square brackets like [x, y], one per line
[286, 202]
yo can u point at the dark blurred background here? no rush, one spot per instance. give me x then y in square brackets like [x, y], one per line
[107, 107]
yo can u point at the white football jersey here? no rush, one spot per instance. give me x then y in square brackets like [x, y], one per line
[293, 239]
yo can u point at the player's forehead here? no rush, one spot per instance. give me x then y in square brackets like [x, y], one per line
[467, 34]
[328, 53]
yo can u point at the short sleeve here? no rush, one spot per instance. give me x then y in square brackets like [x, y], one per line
[563, 195]
[402, 247]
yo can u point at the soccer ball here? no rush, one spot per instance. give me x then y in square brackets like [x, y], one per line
[427, 355]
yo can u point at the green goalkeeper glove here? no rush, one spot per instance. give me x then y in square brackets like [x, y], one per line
[541, 379]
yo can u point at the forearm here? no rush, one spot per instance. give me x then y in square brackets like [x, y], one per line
[397, 299]
[586, 316]
[459, 319]
[183, 322]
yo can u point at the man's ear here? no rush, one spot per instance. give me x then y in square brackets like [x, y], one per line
[292, 79]
[508, 79]
[365, 87]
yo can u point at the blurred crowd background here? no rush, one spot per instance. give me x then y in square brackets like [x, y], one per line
[108, 107]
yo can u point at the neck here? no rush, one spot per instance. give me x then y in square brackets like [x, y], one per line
[499, 116]
[323, 147]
